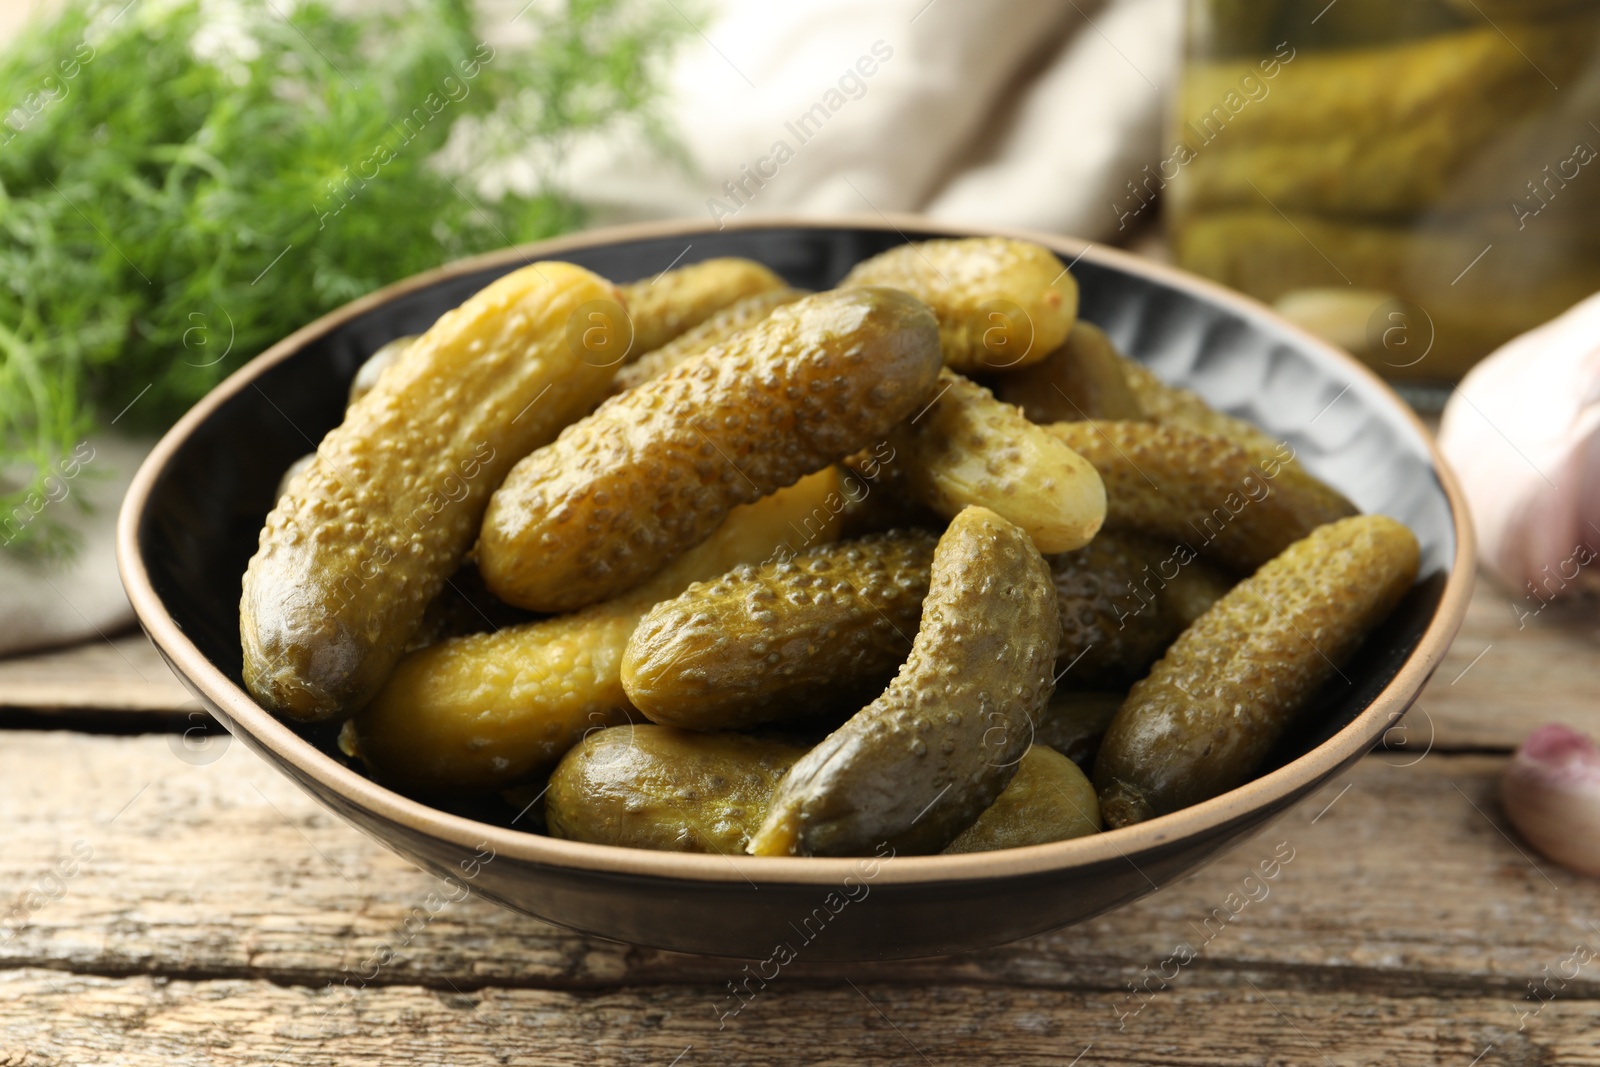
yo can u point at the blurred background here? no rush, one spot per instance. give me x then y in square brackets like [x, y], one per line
[187, 181]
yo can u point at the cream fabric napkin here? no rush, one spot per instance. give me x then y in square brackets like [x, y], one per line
[1004, 113]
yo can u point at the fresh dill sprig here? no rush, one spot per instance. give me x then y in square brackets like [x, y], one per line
[184, 182]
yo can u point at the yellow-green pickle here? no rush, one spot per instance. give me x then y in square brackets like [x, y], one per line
[967, 449]
[365, 537]
[1205, 494]
[655, 469]
[1001, 303]
[704, 337]
[1049, 799]
[789, 639]
[1083, 379]
[675, 302]
[1211, 710]
[1076, 720]
[646, 786]
[1123, 599]
[919, 764]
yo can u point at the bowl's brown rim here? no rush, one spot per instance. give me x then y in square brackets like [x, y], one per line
[1253, 798]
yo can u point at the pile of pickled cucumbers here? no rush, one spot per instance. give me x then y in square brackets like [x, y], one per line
[1351, 161]
[706, 563]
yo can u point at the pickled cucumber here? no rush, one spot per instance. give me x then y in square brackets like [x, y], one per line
[1083, 379]
[1203, 493]
[965, 448]
[919, 764]
[1075, 721]
[366, 536]
[1233, 683]
[486, 711]
[1123, 599]
[655, 469]
[784, 640]
[1001, 303]
[676, 301]
[1049, 799]
[645, 786]
[1173, 405]
[704, 337]
[878, 497]
[367, 374]
[1394, 131]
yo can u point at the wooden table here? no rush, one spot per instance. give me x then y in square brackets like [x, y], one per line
[174, 904]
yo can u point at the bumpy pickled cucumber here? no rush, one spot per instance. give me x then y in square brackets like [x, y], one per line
[368, 373]
[1083, 379]
[965, 448]
[292, 472]
[644, 786]
[1123, 599]
[464, 607]
[679, 300]
[1204, 493]
[1001, 303]
[1173, 405]
[878, 497]
[654, 470]
[704, 337]
[785, 640]
[1075, 721]
[367, 535]
[919, 764]
[486, 711]
[1049, 799]
[1232, 684]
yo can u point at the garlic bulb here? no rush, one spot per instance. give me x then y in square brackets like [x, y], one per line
[1521, 433]
[1551, 793]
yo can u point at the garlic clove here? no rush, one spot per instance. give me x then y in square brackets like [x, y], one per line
[1551, 794]
[1522, 433]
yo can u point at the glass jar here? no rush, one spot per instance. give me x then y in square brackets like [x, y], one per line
[1416, 180]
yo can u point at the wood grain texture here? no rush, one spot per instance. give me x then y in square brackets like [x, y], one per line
[1515, 665]
[215, 914]
[123, 673]
[1238, 1018]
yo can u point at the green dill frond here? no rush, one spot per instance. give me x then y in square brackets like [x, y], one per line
[184, 182]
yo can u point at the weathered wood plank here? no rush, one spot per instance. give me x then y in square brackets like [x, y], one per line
[1514, 666]
[1241, 1018]
[1402, 878]
[124, 673]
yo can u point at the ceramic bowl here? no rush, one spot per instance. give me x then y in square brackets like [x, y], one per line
[191, 519]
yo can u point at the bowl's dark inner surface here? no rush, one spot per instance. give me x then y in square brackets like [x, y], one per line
[206, 511]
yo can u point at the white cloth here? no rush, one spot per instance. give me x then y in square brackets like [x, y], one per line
[1002, 113]
[45, 604]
